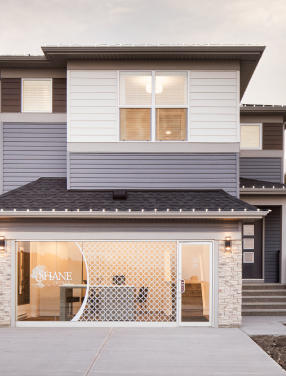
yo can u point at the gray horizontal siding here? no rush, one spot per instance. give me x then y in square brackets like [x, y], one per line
[154, 171]
[269, 169]
[31, 151]
[272, 245]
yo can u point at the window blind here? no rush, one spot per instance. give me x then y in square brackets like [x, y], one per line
[37, 95]
[135, 88]
[171, 88]
[171, 124]
[250, 136]
[135, 124]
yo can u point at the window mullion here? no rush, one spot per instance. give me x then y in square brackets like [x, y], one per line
[153, 110]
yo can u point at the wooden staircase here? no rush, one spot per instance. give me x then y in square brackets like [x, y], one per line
[192, 301]
[263, 299]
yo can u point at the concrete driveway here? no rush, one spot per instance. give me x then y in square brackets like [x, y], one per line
[132, 351]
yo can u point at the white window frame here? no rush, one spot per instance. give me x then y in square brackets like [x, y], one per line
[153, 105]
[260, 135]
[213, 312]
[22, 94]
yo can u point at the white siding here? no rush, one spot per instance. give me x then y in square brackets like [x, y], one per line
[92, 106]
[214, 106]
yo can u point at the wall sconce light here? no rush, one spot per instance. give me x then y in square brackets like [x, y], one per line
[227, 244]
[2, 243]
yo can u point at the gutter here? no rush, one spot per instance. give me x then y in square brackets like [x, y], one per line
[230, 214]
[263, 191]
[173, 49]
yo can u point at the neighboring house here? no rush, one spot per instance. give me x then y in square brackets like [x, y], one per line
[120, 180]
[261, 184]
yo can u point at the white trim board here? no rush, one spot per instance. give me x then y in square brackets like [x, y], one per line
[211, 321]
[135, 214]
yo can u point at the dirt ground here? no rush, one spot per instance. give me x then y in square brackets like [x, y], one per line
[275, 346]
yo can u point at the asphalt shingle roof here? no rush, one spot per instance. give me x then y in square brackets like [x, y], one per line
[250, 183]
[51, 193]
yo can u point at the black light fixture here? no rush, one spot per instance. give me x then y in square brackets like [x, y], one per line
[227, 244]
[2, 243]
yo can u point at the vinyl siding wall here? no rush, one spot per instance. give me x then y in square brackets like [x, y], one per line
[272, 136]
[11, 95]
[59, 95]
[272, 244]
[269, 169]
[32, 150]
[214, 106]
[154, 171]
[93, 106]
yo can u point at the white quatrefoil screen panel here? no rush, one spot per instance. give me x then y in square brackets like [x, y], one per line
[129, 281]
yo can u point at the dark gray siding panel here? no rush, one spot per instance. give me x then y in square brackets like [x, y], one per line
[272, 244]
[154, 171]
[32, 151]
[272, 136]
[269, 169]
[59, 95]
[11, 95]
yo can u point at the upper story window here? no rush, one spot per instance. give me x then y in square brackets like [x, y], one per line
[36, 95]
[251, 136]
[153, 106]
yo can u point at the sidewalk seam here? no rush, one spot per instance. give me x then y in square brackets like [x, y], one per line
[98, 353]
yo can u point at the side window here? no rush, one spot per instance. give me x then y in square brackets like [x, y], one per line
[36, 95]
[248, 243]
[251, 136]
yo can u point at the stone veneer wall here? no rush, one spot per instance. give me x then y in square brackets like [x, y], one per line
[229, 285]
[5, 285]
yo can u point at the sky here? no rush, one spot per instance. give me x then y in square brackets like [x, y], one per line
[25, 25]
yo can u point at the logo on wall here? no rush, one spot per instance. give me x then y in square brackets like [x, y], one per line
[40, 274]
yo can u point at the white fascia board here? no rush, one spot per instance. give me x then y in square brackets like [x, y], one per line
[263, 191]
[134, 214]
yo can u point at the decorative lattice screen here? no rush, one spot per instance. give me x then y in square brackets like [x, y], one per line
[130, 281]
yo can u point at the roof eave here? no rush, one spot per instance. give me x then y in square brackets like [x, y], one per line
[57, 56]
[265, 191]
[29, 61]
[263, 110]
[134, 214]
[237, 52]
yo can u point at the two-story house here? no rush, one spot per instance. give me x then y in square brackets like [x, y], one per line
[262, 184]
[120, 173]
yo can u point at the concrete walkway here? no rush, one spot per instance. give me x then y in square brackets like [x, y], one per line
[136, 351]
[267, 325]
